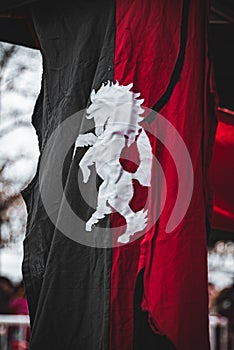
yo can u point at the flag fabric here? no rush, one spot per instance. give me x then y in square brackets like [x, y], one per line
[153, 290]
[221, 172]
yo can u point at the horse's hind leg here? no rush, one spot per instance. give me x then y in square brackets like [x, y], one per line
[136, 222]
[102, 208]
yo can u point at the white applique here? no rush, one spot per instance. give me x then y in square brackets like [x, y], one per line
[116, 112]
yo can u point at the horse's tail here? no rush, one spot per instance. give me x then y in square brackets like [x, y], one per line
[143, 173]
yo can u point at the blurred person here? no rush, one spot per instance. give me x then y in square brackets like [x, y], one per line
[213, 294]
[6, 293]
[225, 307]
[225, 304]
[19, 336]
[18, 304]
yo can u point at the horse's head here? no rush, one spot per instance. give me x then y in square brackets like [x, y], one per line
[115, 104]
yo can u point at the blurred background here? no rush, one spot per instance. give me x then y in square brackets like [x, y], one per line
[20, 78]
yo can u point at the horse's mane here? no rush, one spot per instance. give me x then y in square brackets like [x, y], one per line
[112, 96]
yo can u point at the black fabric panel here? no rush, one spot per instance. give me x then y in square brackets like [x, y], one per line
[67, 283]
[16, 31]
[6, 5]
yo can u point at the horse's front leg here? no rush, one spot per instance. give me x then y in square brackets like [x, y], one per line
[86, 140]
[85, 163]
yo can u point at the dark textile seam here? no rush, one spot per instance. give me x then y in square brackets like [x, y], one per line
[178, 66]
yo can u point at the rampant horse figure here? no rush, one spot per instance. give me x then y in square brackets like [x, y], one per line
[116, 112]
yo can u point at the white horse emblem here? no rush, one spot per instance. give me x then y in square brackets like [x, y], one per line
[116, 112]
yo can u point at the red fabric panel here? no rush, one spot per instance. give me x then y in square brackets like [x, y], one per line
[175, 279]
[222, 172]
